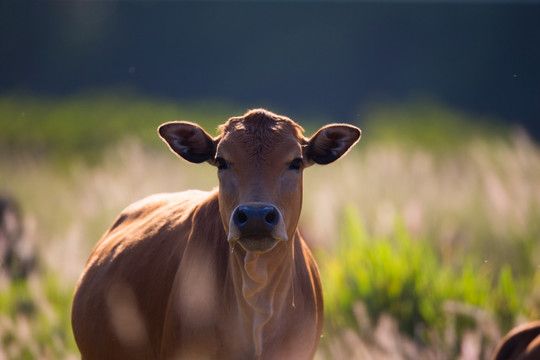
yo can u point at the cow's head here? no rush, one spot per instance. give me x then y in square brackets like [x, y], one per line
[260, 159]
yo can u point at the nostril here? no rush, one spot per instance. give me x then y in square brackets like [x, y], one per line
[240, 217]
[256, 219]
[271, 217]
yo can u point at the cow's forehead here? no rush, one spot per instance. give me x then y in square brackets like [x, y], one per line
[261, 124]
[259, 132]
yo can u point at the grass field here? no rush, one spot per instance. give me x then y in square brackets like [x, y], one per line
[427, 234]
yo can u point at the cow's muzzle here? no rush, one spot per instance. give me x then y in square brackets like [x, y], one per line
[257, 227]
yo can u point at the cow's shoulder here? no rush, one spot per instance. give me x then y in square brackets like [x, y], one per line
[170, 208]
[133, 267]
[152, 228]
[138, 256]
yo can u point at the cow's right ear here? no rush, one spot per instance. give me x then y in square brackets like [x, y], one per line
[188, 140]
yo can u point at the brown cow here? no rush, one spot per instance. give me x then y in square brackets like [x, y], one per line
[521, 343]
[222, 274]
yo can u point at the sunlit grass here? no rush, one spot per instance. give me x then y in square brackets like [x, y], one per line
[84, 125]
[404, 277]
[447, 244]
[35, 318]
[429, 125]
[482, 200]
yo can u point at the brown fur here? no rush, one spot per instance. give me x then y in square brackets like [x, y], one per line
[259, 131]
[521, 343]
[165, 283]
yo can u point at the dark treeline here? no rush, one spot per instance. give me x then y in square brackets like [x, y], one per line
[323, 58]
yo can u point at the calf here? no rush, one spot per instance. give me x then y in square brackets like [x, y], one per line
[221, 274]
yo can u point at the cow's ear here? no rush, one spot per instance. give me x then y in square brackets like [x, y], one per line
[331, 142]
[188, 140]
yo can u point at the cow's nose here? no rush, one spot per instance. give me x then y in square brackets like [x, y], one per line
[255, 220]
[257, 227]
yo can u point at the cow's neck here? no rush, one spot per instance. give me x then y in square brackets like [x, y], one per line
[263, 287]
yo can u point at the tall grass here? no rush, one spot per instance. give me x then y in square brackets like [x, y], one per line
[423, 253]
[445, 243]
[483, 199]
[403, 277]
[35, 318]
[83, 125]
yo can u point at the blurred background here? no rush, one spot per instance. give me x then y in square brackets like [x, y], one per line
[427, 234]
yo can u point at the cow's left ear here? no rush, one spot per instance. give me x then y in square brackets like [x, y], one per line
[188, 140]
[331, 142]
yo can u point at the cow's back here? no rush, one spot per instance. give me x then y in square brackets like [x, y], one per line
[121, 298]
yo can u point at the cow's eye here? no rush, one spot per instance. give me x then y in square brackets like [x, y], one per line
[296, 164]
[221, 163]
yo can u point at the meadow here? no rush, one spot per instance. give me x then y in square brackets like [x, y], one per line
[426, 235]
